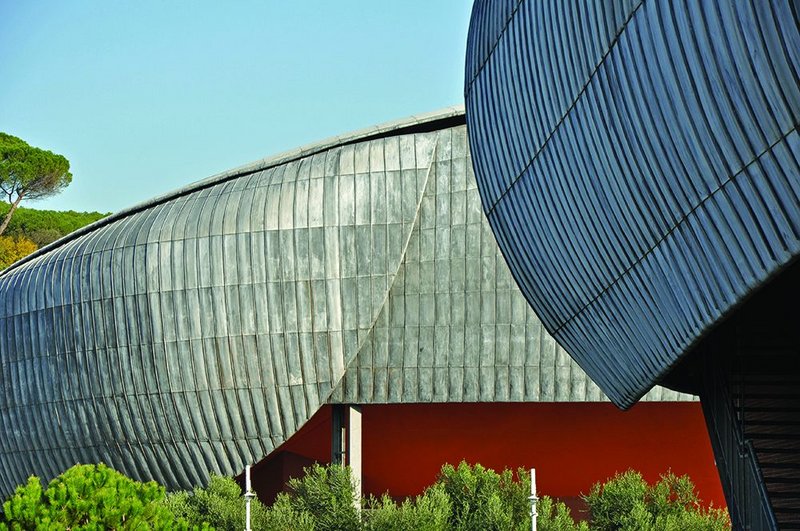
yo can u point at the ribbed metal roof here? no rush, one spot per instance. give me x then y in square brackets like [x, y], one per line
[427, 121]
[638, 162]
[199, 331]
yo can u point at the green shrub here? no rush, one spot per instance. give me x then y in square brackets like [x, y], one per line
[556, 516]
[427, 512]
[469, 497]
[483, 499]
[611, 503]
[464, 498]
[282, 516]
[701, 520]
[626, 502]
[89, 497]
[220, 505]
[327, 494]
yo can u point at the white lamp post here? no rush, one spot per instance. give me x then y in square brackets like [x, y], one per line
[248, 495]
[533, 499]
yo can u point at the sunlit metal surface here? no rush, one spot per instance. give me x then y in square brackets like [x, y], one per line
[197, 332]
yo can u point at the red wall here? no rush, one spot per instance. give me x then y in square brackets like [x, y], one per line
[571, 445]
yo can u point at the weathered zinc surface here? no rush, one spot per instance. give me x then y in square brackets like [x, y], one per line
[454, 326]
[638, 162]
[197, 332]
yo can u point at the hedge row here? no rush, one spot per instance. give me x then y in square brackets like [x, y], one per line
[464, 498]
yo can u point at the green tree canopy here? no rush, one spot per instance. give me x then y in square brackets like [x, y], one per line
[89, 498]
[28, 172]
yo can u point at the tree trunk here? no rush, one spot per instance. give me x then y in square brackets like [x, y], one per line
[10, 213]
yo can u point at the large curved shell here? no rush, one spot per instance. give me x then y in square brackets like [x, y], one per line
[199, 331]
[639, 165]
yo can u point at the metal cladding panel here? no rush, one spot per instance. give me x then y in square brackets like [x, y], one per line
[198, 332]
[638, 163]
[455, 327]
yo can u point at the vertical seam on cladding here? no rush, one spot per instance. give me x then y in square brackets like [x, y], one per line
[173, 400]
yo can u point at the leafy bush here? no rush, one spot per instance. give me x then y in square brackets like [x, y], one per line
[483, 499]
[556, 516]
[89, 497]
[471, 497]
[427, 512]
[282, 516]
[627, 502]
[611, 503]
[323, 499]
[327, 495]
[12, 248]
[219, 505]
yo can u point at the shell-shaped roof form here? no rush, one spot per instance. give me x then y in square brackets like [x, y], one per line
[639, 163]
[199, 331]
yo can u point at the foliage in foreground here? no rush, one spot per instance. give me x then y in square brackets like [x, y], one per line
[483, 499]
[627, 502]
[464, 498]
[88, 497]
[221, 505]
[327, 495]
[429, 511]
[473, 497]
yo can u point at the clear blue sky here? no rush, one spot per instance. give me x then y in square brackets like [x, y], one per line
[146, 96]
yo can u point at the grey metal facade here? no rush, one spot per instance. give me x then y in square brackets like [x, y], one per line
[639, 163]
[197, 332]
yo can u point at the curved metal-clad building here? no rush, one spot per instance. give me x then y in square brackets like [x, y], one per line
[639, 163]
[199, 331]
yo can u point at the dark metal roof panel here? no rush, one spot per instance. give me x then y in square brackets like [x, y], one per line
[639, 167]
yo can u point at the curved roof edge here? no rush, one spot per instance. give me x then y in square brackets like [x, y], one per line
[417, 123]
